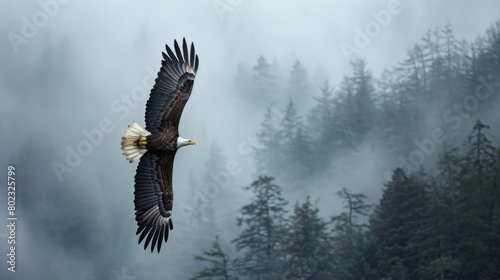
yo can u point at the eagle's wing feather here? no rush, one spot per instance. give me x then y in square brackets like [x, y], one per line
[153, 198]
[172, 88]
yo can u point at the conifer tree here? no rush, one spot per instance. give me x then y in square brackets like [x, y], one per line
[299, 88]
[268, 152]
[348, 228]
[308, 243]
[394, 223]
[219, 263]
[262, 224]
[478, 202]
[321, 127]
[295, 153]
[364, 116]
[343, 123]
[263, 82]
[434, 237]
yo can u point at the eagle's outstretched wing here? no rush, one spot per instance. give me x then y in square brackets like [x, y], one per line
[153, 198]
[172, 88]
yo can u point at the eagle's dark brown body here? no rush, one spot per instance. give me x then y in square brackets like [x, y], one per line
[162, 142]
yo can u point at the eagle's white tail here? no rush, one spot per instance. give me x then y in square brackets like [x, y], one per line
[130, 142]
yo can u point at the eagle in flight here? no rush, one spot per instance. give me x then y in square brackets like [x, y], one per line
[157, 144]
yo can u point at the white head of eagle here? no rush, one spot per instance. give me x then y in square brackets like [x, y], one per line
[181, 142]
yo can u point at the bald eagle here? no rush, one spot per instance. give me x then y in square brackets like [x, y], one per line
[157, 144]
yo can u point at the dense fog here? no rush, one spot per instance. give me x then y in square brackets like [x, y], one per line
[330, 108]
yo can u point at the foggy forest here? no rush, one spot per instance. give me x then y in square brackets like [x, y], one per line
[324, 151]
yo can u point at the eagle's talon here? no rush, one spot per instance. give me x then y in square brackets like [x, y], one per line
[142, 144]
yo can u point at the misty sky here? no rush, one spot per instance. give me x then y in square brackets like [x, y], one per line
[74, 71]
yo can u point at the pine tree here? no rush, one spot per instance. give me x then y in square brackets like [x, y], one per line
[218, 263]
[365, 114]
[396, 115]
[356, 210]
[413, 94]
[290, 121]
[263, 82]
[299, 88]
[308, 243]
[321, 128]
[478, 202]
[268, 153]
[451, 59]
[343, 123]
[450, 166]
[300, 158]
[393, 224]
[295, 153]
[434, 238]
[487, 47]
[355, 112]
[348, 228]
[283, 146]
[261, 240]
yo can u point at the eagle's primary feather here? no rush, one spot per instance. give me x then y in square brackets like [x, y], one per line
[157, 145]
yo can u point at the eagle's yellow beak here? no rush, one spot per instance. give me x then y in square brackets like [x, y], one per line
[192, 142]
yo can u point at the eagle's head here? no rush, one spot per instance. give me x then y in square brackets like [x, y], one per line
[181, 142]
